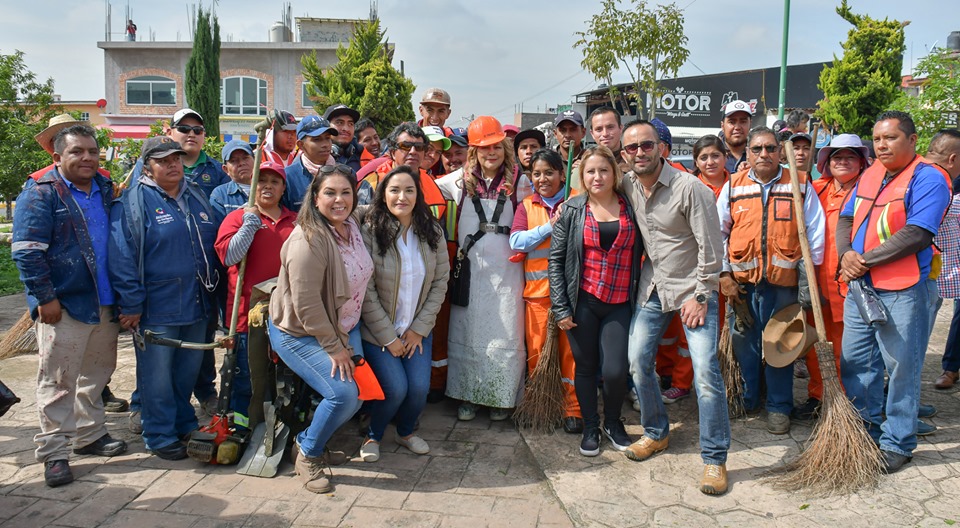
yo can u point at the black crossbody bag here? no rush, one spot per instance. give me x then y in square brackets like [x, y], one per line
[459, 286]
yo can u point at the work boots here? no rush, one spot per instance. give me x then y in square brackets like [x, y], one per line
[312, 472]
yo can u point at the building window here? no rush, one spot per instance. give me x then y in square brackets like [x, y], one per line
[243, 96]
[84, 116]
[151, 90]
[305, 99]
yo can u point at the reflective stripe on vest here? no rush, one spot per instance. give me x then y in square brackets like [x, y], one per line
[764, 242]
[535, 265]
[883, 210]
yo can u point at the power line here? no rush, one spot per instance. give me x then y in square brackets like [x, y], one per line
[541, 92]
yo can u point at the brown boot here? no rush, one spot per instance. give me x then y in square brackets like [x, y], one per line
[714, 481]
[646, 447]
[946, 380]
[312, 472]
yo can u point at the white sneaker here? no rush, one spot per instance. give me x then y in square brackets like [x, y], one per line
[415, 444]
[370, 451]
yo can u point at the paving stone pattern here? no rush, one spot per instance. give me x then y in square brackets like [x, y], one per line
[478, 473]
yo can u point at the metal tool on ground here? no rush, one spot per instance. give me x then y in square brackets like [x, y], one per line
[840, 456]
[542, 407]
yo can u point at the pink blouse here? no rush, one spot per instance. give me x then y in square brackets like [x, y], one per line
[359, 269]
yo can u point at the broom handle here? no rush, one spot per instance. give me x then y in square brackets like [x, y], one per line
[805, 244]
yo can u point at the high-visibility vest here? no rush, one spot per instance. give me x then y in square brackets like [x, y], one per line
[882, 207]
[535, 265]
[764, 242]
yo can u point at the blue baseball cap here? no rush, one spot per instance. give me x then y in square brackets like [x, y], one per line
[234, 145]
[458, 136]
[314, 126]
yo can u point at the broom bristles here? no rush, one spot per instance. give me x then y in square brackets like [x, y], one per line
[20, 339]
[730, 371]
[543, 401]
[839, 457]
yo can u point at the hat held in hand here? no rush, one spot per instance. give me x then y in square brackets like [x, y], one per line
[787, 336]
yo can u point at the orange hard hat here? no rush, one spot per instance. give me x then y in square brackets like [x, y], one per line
[485, 131]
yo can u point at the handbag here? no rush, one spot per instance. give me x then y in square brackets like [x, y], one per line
[366, 380]
[459, 283]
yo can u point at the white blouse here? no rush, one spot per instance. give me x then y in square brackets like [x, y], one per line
[412, 274]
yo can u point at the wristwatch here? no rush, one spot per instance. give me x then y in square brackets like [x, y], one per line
[701, 298]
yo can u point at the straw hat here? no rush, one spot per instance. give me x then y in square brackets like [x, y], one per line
[56, 124]
[787, 336]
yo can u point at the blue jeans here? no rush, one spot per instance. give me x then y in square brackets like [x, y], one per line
[242, 389]
[165, 379]
[899, 346]
[934, 302]
[763, 300]
[646, 329]
[951, 350]
[310, 361]
[405, 383]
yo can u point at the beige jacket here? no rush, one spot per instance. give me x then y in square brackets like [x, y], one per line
[311, 288]
[380, 302]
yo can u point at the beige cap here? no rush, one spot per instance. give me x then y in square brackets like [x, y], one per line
[436, 96]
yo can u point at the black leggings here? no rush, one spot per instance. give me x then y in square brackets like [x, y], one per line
[601, 329]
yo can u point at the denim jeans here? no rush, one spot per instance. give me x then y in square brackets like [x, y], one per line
[899, 346]
[310, 361]
[763, 300]
[405, 383]
[951, 350]
[646, 329]
[165, 379]
[242, 389]
[934, 302]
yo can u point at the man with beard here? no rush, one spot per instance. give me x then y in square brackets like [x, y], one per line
[346, 149]
[735, 124]
[454, 157]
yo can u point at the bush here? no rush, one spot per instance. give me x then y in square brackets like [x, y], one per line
[9, 274]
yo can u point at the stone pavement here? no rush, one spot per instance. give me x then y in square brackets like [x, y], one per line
[478, 474]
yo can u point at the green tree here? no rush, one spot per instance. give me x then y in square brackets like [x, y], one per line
[648, 42]
[363, 79]
[202, 85]
[940, 95]
[866, 80]
[26, 105]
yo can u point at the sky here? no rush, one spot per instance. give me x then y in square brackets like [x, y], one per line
[495, 57]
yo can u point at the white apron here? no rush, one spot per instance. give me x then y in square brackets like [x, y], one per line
[486, 352]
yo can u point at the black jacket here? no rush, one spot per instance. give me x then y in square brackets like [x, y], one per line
[566, 257]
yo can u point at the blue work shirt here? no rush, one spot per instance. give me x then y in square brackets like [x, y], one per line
[228, 198]
[98, 227]
[925, 201]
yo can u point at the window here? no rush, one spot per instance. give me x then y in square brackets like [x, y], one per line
[84, 116]
[151, 90]
[243, 96]
[305, 97]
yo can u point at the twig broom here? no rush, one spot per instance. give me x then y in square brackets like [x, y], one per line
[543, 404]
[730, 371]
[20, 339]
[839, 457]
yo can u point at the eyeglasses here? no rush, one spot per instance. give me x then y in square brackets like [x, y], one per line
[645, 146]
[346, 170]
[407, 146]
[760, 148]
[186, 129]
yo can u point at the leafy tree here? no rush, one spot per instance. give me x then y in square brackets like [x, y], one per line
[940, 96]
[866, 80]
[648, 42]
[26, 105]
[202, 84]
[363, 79]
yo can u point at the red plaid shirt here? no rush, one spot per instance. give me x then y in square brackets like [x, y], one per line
[606, 274]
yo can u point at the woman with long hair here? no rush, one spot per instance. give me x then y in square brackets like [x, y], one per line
[709, 156]
[411, 269]
[594, 271]
[486, 352]
[314, 322]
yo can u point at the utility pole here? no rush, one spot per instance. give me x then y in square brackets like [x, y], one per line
[783, 58]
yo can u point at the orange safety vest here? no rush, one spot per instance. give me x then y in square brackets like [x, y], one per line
[431, 193]
[764, 242]
[833, 202]
[535, 265]
[888, 202]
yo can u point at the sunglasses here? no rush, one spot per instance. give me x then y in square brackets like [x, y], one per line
[346, 170]
[645, 146]
[407, 146]
[186, 129]
[760, 148]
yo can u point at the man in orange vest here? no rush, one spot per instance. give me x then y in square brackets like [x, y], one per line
[885, 236]
[762, 254]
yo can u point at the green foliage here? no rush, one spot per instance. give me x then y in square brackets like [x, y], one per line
[941, 94]
[9, 275]
[26, 105]
[648, 42]
[865, 82]
[202, 85]
[363, 79]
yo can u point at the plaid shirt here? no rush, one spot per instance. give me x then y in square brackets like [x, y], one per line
[606, 274]
[948, 241]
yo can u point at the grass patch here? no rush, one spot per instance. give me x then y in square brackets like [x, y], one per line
[9, 275]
